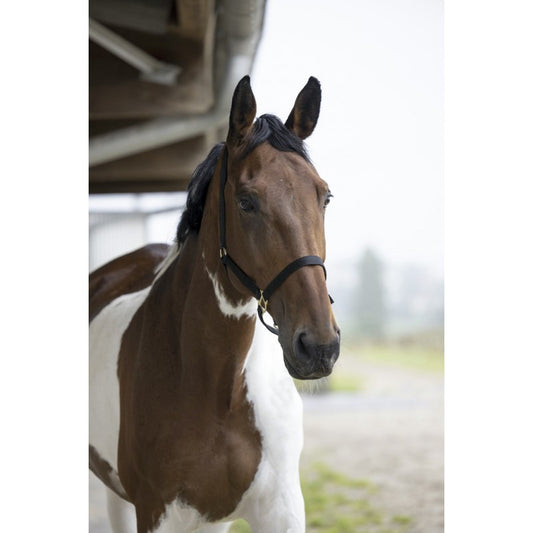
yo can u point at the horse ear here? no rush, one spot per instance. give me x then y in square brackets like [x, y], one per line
[304, 114]
[242, 114]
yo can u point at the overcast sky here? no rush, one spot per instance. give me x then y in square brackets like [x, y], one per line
[379, 139]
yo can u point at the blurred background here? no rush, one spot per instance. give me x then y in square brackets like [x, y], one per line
[373, 458]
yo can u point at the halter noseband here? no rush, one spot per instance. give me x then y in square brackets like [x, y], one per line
[262, 296]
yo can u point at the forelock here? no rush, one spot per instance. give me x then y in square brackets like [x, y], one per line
[269, 128]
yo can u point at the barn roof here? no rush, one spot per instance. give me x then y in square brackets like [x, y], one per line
[161, 76]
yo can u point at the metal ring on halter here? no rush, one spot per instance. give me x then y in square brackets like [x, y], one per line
[262, 302]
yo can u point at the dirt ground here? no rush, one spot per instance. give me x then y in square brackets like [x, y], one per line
[390, 433]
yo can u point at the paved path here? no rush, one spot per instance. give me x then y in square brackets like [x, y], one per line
[390, 433]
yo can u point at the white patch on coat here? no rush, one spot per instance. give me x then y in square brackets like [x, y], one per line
[179, 517]
[274, 501]
[245, 308]
[105, 336]
[185, 519]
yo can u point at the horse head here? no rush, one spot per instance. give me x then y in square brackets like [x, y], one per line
[274, 203]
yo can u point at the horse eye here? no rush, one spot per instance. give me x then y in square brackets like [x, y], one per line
[246, 205]
[328, 199]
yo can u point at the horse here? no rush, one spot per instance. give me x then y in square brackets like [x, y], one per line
[194, 418]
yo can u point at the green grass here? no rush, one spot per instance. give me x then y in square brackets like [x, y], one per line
[417, 357]
[337, 503]
[240, 526]
[344, 382]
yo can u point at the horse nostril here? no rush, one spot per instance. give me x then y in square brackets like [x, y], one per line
[302, 348]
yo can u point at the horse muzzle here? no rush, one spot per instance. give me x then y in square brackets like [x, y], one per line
[311, 357]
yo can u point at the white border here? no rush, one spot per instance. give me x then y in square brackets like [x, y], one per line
[489, 265]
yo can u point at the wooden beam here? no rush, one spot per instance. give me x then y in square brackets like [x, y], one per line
[143, 186]
[116, 90]
[168, 168]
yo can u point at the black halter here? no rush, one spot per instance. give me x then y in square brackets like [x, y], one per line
[262, 296]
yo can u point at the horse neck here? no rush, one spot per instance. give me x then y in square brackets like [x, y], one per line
[212, 324]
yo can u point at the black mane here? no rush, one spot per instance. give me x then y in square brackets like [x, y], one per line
[191, 218]
[267, 128]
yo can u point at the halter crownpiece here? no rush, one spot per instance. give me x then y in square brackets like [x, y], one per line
[262, 296]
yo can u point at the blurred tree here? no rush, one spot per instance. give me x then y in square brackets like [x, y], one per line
[370, 297]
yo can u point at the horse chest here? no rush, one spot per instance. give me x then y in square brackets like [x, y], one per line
[209, 470]
[191, 446]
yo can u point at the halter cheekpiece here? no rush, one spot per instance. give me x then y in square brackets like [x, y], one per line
[262, 296]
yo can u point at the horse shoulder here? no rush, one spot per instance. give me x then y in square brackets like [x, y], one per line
[125, 274]
[105, 338]
[116, 291]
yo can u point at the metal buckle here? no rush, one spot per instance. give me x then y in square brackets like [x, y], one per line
[262, 302]
[223, 252]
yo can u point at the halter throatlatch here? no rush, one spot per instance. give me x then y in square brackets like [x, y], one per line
[262, 296]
